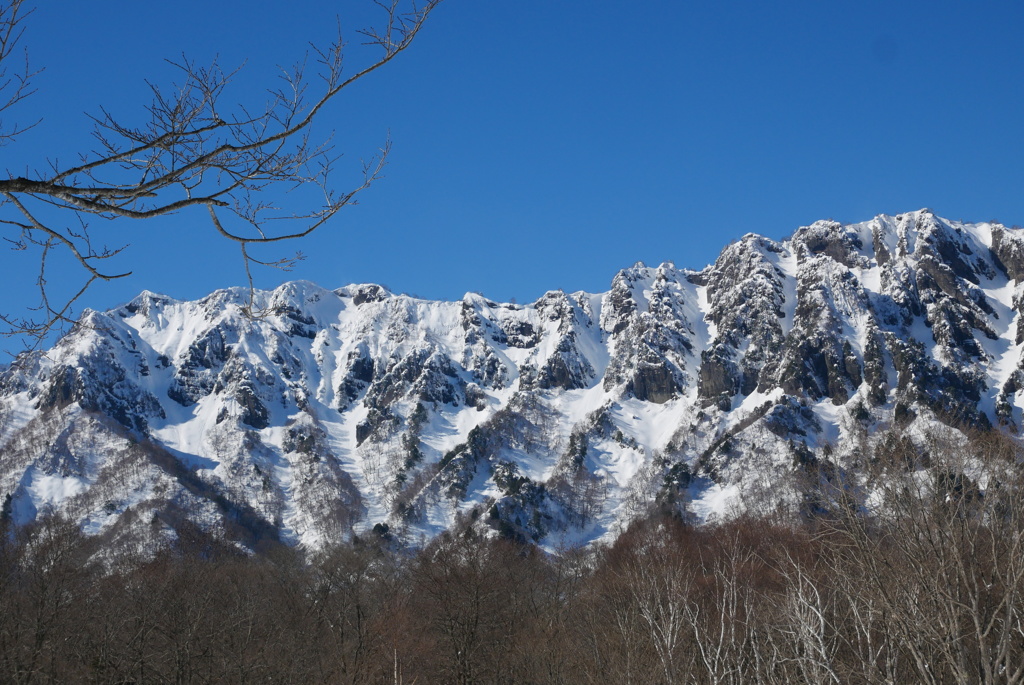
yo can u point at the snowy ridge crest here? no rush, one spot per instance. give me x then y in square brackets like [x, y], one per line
[359, 411]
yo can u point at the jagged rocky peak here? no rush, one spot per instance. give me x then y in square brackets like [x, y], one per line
[1008, 251]
[748, 297]
[364, 293]
[148, 304]
[632, 291]
[320, 415]
[842, 243]
[301, 301]
[746, 289]
[649, 314]
[625, 300]
[561, 361]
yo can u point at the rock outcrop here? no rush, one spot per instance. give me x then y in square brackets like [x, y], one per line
[341, 412]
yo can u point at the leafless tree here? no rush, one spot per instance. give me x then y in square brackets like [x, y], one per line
[808, 627]
[660, 584]
[721, 625]
[943, 562]
[193, 150]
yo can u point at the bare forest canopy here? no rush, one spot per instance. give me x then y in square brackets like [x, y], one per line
[927, 589]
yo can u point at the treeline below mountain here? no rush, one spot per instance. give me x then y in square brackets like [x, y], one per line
[928, 587]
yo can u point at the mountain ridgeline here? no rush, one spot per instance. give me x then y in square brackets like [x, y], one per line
[358, 411]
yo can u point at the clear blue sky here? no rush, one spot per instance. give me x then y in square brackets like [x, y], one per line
[542, 145]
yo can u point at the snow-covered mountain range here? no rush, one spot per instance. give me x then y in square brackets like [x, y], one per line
[359, 411]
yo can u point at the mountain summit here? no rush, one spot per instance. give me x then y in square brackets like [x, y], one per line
[359, 411]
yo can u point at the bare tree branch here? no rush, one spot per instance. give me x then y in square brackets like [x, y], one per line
[14, 86]
[190, 152]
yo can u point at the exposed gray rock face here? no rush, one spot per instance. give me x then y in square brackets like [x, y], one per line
[1008, 252]
[816, 359]
[746, 295]
[566, 367]
[653, 356]
[558, 421]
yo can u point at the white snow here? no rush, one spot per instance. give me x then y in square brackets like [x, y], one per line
[302, 378]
